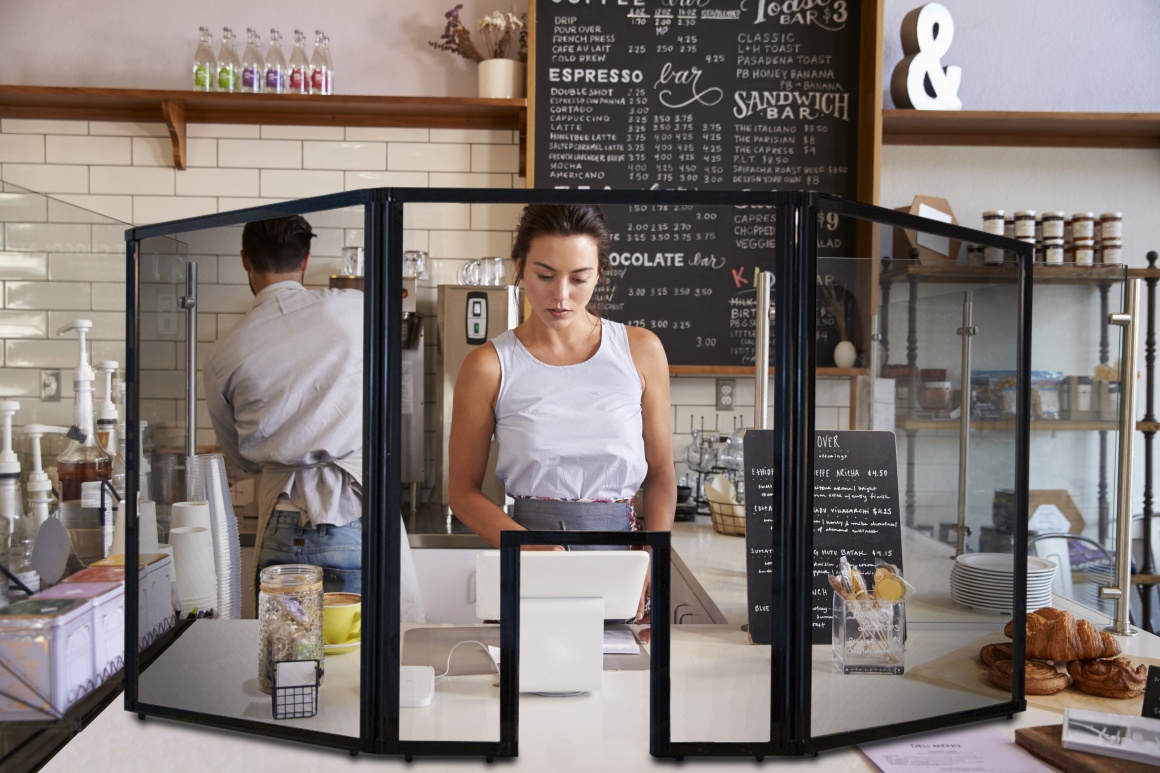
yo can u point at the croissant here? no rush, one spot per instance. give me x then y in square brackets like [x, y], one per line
[1058, 635]
[992, 653]
[1039, 678]
[1109, 678]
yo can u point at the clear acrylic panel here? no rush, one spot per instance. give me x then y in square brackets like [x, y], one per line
[212, 667]
[955, 463]
[60, 262]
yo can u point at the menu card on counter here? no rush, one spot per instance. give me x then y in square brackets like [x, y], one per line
[698, 95]
[855, 514]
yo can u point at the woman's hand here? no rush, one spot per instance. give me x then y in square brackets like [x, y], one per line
[542, 547]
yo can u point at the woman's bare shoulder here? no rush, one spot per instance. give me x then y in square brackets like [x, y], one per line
[645, 346]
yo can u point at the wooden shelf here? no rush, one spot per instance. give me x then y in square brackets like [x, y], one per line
[1020, 129]
[179, 108]
[1008, 425]
[1042, 273]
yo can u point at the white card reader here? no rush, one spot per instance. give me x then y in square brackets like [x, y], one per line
[476, 318]
[416, 686]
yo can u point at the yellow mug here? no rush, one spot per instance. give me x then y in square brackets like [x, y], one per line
[341, 617]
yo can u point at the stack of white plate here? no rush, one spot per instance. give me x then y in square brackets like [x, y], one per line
[986, 581]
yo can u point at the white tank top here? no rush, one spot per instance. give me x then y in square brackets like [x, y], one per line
[570, 431]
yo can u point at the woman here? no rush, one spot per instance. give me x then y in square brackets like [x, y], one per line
[579, 405]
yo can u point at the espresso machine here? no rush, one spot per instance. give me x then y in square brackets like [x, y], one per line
[469, 316]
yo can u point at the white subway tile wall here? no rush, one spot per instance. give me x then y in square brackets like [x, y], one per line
[62, 258]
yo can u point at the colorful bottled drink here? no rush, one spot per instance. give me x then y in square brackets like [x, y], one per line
[229, 66]
[276, 69]
[253, 66]
[204, 63]
[319, 72]
[299, 65]
[329, 64]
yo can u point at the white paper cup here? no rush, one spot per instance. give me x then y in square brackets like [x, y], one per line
[146, 526]
[189, 514]
[193, 564]
[119, 528]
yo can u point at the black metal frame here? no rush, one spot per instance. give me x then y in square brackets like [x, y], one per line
[795, 299]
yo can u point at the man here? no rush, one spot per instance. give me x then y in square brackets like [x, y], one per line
[284, 392]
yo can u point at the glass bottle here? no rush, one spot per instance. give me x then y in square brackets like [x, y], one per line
[289, 618]
[20, 558]
[204, 63]
[329, 64]
[229, 66]
[253, 67]
[299, 65]
[319, 72]
[4, 537]
[276, 69]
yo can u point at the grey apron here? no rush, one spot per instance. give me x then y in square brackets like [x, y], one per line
[555, 515]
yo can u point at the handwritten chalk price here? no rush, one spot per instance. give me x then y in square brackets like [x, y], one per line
[920, 80]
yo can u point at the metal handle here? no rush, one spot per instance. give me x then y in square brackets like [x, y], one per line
[966, 331]
[761, 376]
[1119, 592]
[189, 303]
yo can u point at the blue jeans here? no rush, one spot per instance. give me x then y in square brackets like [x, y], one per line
[337, 549]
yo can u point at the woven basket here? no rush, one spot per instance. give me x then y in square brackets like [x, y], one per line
[728, 518]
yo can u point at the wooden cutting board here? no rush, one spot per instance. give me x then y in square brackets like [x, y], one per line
[1045, 742]
[962, 669]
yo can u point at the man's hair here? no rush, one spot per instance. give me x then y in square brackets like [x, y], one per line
[277, 246]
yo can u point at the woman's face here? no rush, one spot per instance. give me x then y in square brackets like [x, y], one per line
[560, 275]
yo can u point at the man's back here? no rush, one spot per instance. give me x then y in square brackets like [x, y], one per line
[286, 382]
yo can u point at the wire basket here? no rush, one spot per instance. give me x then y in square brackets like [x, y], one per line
[294, 693]
[728, 517]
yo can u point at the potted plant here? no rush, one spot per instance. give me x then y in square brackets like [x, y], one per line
[505, 36]
[845, 355]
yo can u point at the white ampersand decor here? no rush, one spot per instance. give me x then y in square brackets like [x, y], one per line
[920, 81]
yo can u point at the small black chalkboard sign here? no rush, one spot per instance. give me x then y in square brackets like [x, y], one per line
[855, 514]
[1152, 694]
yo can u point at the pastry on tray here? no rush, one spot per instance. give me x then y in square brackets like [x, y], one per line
[1109, 678]
[993, 653]
[1039, 678]
[1054, 634]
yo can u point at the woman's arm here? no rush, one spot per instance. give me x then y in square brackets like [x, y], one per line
[472, 427]
[659, 489]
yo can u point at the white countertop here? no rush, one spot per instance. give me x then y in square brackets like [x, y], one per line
[720, 688]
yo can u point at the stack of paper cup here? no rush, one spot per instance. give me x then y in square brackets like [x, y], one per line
[119, 528]
[189, 514]
[193, 564]
[146, 527]
[208, 478]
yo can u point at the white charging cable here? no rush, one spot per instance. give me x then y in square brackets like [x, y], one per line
[447, 670]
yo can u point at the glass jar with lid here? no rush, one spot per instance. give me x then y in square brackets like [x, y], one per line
[1052, 225]
[1025, 225]
[1083, 225]
[1053, 251]
[1084, 250]
[1111, 226]
[289, 618]
[993, 222]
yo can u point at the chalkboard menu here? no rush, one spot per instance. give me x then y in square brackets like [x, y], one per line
[697, 95]
[855, 515]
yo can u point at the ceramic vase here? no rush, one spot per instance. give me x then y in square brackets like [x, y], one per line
[845, 355]
[501, 79]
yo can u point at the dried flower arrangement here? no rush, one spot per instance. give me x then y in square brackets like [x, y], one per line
[499, 31]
